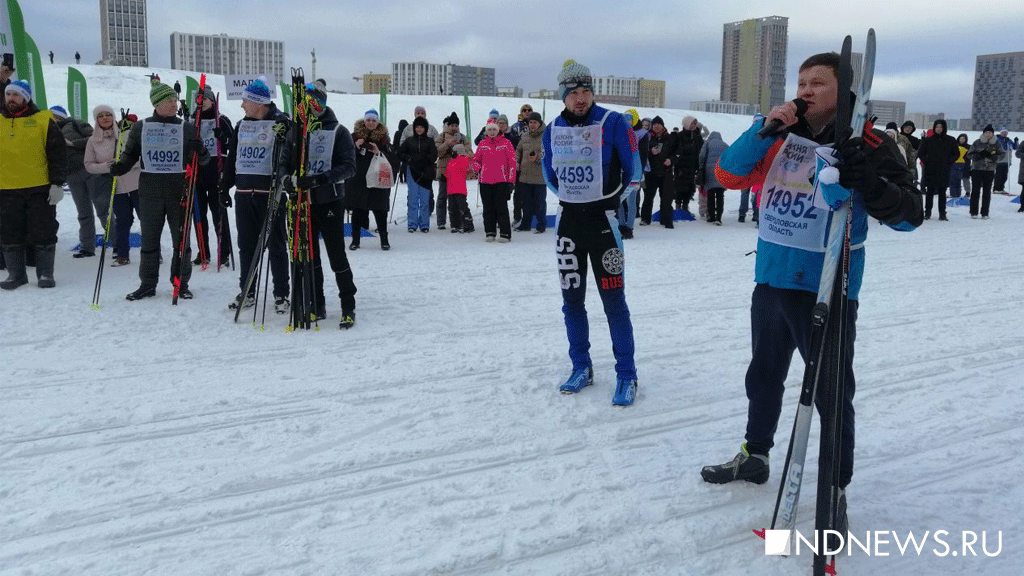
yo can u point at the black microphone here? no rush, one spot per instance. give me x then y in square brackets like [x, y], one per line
[774, 127]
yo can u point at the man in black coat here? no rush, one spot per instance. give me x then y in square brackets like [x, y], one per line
[663, 157]
[937, 152]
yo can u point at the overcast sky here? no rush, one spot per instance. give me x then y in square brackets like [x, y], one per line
[926, 48]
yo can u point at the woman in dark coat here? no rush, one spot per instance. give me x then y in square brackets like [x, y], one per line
[937, 152]
[370, 138]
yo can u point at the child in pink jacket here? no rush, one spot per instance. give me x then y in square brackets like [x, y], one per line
[495, 162]
[458, 207]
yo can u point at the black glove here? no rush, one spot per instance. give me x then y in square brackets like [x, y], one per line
[225, 198]
[219, 133]
[287, 183]
[116, 169]
[310, 182]
[858, 168]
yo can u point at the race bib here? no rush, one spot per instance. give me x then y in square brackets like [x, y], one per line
[792, 211]
[321, 149]
[206, 128]
[163, 148]
[255, 148]
[576, 159]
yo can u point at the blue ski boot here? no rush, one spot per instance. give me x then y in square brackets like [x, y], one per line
[578, 380]
[625, 392]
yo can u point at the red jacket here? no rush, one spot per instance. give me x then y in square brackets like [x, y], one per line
[455, 173]
[495, 160]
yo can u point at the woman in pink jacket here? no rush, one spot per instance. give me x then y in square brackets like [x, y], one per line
[495, 162]
[100, 153]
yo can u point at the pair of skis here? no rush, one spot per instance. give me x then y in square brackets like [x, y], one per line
[191, 174]
[828, 354]
[303, 306]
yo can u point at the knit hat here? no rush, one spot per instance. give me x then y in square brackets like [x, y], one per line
[989, 128]
[891, 125]
[20, 87]
[687, 120]
[501, 118]
[371, 114]
[317, 94]
[158, 92]
[208, 94]
[257, 92]
[420, 121]
[419, 109]
[100, 109]
[491, 123]
[574, 75]
[634, 117]
[59, 111]
[534, 116]
[493, 114]
[460, 149]
[453, 118]
[658, 120]
[1003, 130]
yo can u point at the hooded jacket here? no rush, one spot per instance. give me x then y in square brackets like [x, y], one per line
[357, 194]
[661, 147]
[419, 152]
[102, 149]
[495, 160]
[938, 152]
[985, 153]
[529, 156]
[710, 152]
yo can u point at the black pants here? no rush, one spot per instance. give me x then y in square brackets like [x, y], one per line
[160, 203]
[663, 185]
[981, 191]
[716, 201]
[685, 186]
[207, 197]
[442, 202]
[458, 213]
[250, 211]
[518, 200]
[534, 202]
[1002, 171]
[329, 223]
[361, 219]
[930, 191]
[26, 217]
[780, 322]
[495, 200]
[126, 205]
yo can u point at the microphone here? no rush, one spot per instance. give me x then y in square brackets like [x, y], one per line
[774, 127]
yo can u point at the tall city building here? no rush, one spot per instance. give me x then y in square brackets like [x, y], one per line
[717, 106]
[439, 79]
[754, 61]
[372, 83]
[123, 32]
[999, 91]
[629, 91]
[223, 54]
[887, 111]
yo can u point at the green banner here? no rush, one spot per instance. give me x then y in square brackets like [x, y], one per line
[286, 98]
[27, 62]
[191, 91]
[78, 96]
[383, 112]
[465, 101]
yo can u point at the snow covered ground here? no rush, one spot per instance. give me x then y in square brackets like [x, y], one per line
[145, 439]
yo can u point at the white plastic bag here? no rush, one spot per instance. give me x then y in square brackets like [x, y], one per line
[379, 175]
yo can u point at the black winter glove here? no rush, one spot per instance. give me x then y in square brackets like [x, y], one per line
[219, 133]
[117, 169]
[225, 198]
[858, 169]
[288, 184]
[310, 182]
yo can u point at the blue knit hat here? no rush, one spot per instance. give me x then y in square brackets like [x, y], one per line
[20, 87]
[371, 114]
[257, 91]
[59, 111]
[493, 113]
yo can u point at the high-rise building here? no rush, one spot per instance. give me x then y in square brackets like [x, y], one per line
[887, 111]
[754, 61]
[372, 83]
[720, 107]
[223, 54]
[123, 32]
[510, 91]
[652, 93]
[424, 78]
[999, 91]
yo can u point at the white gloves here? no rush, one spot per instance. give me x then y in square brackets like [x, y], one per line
[56, 194]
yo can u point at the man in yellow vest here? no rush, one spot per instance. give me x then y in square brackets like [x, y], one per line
[32, 172]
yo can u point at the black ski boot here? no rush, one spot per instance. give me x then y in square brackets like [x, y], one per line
[142, 292]
[745, 466]
[348, 320]
[14, 254]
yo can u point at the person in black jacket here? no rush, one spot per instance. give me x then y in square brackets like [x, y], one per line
[250, 168]
[163, 144]
[938, 152]
[662, 155]
[216, 132]
[371, 139]
[395, 142]
[689, 141]
[331, 161]
[419, 153]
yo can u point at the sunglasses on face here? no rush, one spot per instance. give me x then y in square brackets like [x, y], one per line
[527, 110]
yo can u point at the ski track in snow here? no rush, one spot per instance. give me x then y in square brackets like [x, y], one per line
[145, 439]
